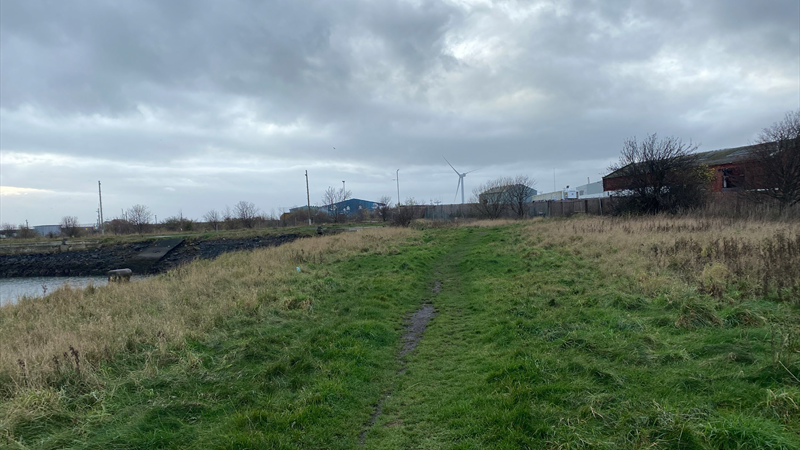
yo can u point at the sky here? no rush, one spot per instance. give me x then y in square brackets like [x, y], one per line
[188, 105]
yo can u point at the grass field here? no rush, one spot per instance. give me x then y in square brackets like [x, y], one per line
[548, 334]
[200, 234]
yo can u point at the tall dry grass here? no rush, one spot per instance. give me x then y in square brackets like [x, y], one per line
[75, 329]
[756, 257]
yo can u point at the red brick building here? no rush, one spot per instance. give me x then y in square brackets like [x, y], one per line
[733, 168]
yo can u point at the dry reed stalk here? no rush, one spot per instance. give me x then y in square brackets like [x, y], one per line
[758, 256]
[88, 325]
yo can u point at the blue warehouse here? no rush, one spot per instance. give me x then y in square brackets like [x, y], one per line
[351, 206]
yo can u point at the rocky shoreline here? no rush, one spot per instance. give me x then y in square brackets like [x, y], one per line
[100, 260]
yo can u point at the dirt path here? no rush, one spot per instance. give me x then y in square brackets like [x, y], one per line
[415, 328]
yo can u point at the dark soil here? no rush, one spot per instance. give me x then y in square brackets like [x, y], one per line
[116, 256]
[415, 327]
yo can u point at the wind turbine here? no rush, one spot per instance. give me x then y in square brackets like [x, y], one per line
[460, 180]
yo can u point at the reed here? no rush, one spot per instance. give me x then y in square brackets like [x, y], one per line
[732, 258]
[73, 330]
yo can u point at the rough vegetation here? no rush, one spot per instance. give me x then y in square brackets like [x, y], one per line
[552, 334]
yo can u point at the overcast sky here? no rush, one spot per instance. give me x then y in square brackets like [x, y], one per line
[192, 105]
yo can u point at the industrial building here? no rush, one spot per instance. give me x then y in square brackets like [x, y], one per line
[48, 230]
[733, 169]
[497, 193]
[591, 190]
[351, 207]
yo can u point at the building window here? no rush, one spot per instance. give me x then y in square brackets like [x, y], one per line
[732, 178]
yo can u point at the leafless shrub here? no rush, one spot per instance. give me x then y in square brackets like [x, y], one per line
[519, 191]
[332, 197]
[246, 213]
[661, 175]
[490, 199]
[404, 214]
[777, 154]
[7, 230]
[139, 216]
[70, 226]
[25, 232]
[213, 218]
[385, 208]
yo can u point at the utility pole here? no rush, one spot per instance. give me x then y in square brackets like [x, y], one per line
[308, 199]
[100, 193]
[397, 177]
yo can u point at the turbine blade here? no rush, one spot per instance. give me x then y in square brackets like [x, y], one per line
[475, 170]
[451, 166]
[457, 186]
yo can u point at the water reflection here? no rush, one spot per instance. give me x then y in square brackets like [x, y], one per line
[11, 289]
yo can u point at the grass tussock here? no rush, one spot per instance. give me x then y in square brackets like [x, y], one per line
[70, 331]
[697, 315]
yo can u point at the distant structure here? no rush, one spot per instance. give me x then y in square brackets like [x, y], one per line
[351, 207]
[494, 194]
[733, 169]
[564, 194]
[591, 190]
[555, 195]
[48, 230]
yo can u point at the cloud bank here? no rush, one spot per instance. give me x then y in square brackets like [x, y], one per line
[189, 105]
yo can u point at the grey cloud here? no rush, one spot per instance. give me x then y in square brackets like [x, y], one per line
[526, 84]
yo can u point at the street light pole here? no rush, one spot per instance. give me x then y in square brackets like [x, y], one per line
[102, 224]
[308, 199]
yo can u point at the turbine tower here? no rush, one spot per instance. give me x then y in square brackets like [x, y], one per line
[460, 180]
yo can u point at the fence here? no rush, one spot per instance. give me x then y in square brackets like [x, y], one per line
[549, 208]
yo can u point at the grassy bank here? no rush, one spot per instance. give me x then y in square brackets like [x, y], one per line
[586, 333]
[191, 235]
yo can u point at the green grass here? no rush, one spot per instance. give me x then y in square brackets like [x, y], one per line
[532, 347]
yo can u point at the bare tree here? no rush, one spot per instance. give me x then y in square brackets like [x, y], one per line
[213, 218]
[25, 232]
[405, 213]
[660, 175]
[228, 219]
[331, 199]
[246, 213]
[139, 216]
[7, 230]
[385, 207]
[70, 226]
[491, 199]
[777, 152]
[519, 191]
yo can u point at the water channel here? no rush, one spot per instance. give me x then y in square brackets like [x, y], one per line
[11, 289]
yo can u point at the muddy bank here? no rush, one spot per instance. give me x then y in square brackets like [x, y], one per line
[98, 261]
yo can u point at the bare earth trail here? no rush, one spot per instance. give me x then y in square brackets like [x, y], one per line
[430, 379]
[415, 328]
